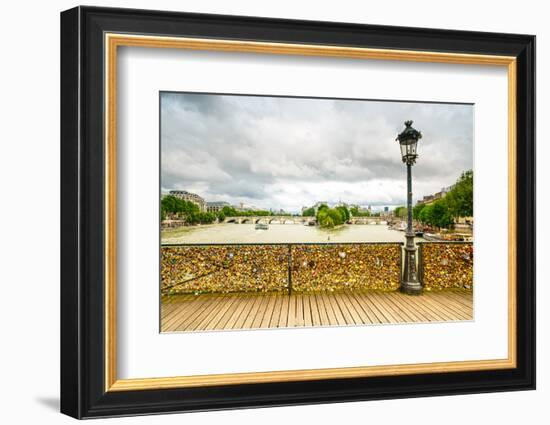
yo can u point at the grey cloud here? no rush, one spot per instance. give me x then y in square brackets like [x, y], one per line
[278, 152]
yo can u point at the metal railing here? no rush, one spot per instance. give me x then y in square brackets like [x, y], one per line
[446, 264]
[300, 267]
[303, 267]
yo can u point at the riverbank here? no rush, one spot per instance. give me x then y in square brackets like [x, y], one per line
[280, 233]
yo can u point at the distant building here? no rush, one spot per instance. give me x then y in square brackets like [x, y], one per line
[216, 206]
[428, 199]
[243, 207]
[364, 210]
[191, 197]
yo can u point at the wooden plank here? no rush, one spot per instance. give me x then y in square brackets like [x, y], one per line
[344, 308]
[259, 312]
[247, 324]
[380, 313]
[276, 311]
[240, 308]
[439, 309]
[400, 310]
[419, 308]
[456, 303]
[315, 317]
[268, 312]
[247, 311]
[364, 307]
[436, 313]
[464, 297]
[169, 307]
[291, 311]
[332, 320]
[186, 311]
[450, 300]
[235, 308]
[449, 306]
[177, 310]
[306, 299]
[283, 317]
[205, 317]
[340, 320]
[361, 316]
[299, 309]
[388, 308]
[239, 323]
[225, 306]
[323, 314]
[404, 311]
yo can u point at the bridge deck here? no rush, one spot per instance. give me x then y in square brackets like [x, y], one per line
[252, 311]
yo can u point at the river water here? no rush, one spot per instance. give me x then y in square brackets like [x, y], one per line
[281, 233]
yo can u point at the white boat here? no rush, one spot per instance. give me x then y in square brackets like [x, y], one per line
[262, 226]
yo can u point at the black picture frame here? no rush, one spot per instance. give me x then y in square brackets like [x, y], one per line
[83, 392]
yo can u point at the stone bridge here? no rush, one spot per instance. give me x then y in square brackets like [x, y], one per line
[271, 219]
[290, 219]
[369, 220]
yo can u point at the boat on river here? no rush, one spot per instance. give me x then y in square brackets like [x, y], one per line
[432, 237]
[262, 226]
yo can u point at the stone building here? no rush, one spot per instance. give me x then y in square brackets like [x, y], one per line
[216, 206]
[191, 197]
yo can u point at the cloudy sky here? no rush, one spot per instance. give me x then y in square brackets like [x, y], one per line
[273, 152]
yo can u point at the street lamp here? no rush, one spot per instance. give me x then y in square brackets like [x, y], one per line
[408, 139]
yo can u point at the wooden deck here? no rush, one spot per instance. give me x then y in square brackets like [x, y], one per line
[252, 311]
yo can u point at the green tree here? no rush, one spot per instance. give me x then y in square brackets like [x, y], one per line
[229, 211]
[417, 210]
[400, 212]
[437, 214]
[168, 204]
[309, 212]
[344, 212]
[426, 215]
[460, 199]
[329, 217]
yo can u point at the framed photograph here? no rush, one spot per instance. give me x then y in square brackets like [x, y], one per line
[261, 212]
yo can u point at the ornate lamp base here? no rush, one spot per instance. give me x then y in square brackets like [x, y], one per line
[411, 288]
[409, 281]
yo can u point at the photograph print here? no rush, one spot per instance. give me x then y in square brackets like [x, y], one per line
[289, 212]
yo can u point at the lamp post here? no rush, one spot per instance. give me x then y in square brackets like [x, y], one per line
[408, 139]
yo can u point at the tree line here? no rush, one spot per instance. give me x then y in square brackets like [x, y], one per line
[458, 202]
[191, 213]
[184, 210]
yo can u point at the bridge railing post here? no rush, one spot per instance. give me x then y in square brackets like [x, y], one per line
[420, 265]
[289, 269]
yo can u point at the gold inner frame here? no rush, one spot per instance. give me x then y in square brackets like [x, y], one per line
[113, 41]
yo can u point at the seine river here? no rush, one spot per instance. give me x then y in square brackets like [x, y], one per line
[281, 233]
